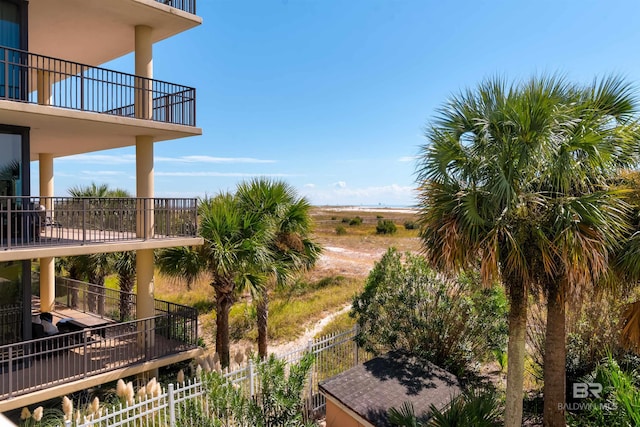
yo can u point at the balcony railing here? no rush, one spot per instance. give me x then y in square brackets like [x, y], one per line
[58, 221]
[42, 363]
[32, 78]
[46, 362]
[185, 5]
[112, 303]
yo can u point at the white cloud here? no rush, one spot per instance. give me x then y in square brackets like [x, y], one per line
[340, 184]
[110, 159]
[106, 159]
[309, 185]
[222, 174]
[103, 173]
[211, 159]
[388, 195]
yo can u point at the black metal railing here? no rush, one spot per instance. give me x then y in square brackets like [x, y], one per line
[120, 306]
[10, 323]
[185, 5]
[43, 363]
[39, 79]
[56, 221]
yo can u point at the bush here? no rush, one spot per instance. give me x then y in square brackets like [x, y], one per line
[333, 218]
[405, 305]
[356, 221]
[385, 226]
[410, 225]
[346, 220]
[618, 403]
[279, 401]
[474, 407]
[379, 217]
[341, 231]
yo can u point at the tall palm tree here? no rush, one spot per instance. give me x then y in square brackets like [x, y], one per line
[587, 219]
[124, 264]
[279, 206]
[514, 178]
[235, 254]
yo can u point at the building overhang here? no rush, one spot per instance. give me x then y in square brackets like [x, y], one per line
[96, 31]
[35, 252]
[64, 132]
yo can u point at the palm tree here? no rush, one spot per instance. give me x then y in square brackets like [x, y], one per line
[586, 217]
[92, 190]
[124, 264]
[96, 267]
[99, 266]
[235, 254]
[279, 206]
[181, 262]
[514, 178]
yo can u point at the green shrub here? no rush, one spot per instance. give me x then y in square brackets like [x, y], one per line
[346, 220]
[333, 218]
[386, 226]
[379, 217]
[279, 401]
[619, 402]
[341, 231]
[590, 340]
[475, 407]
[356, 221]
[410, 225]
[405, 305]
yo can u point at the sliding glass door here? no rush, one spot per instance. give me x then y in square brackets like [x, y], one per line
[12, 36]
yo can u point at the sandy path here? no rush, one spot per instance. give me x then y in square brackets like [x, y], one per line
[309, 334]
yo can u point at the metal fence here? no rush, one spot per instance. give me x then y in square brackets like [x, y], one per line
[39, 79]
[119, 306]
[56, 221]
[175, 406]
[10, 322]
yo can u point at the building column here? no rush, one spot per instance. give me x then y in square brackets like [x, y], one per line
[44, 87]
[144, 71]
[144, 182]
[47, 265]
[144, 258]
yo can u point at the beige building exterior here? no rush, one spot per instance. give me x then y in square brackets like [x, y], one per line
[56, 100]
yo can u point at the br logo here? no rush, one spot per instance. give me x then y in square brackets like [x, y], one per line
[584, 390]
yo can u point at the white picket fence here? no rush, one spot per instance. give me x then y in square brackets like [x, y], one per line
[334, 353]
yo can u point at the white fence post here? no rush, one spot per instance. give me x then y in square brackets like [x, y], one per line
[337, 345]
[172, 407]
[251, 385]
[311, 371]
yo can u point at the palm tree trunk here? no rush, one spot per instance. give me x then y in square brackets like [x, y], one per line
[224, 302]
[555, 359]
[262, 311]
[515, 352]
[126, 287]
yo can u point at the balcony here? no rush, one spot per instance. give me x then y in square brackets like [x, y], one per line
[188, 6]
[97, 31]
[31, 227]
[37, 79]
[105, 345]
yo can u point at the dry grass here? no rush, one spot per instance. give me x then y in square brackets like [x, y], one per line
[341, 272]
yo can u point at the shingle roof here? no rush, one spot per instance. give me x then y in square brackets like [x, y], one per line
[388, 381]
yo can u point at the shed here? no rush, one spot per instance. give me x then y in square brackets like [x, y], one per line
[362, 396]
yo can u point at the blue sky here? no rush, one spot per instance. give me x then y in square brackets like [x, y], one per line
[333, 96]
